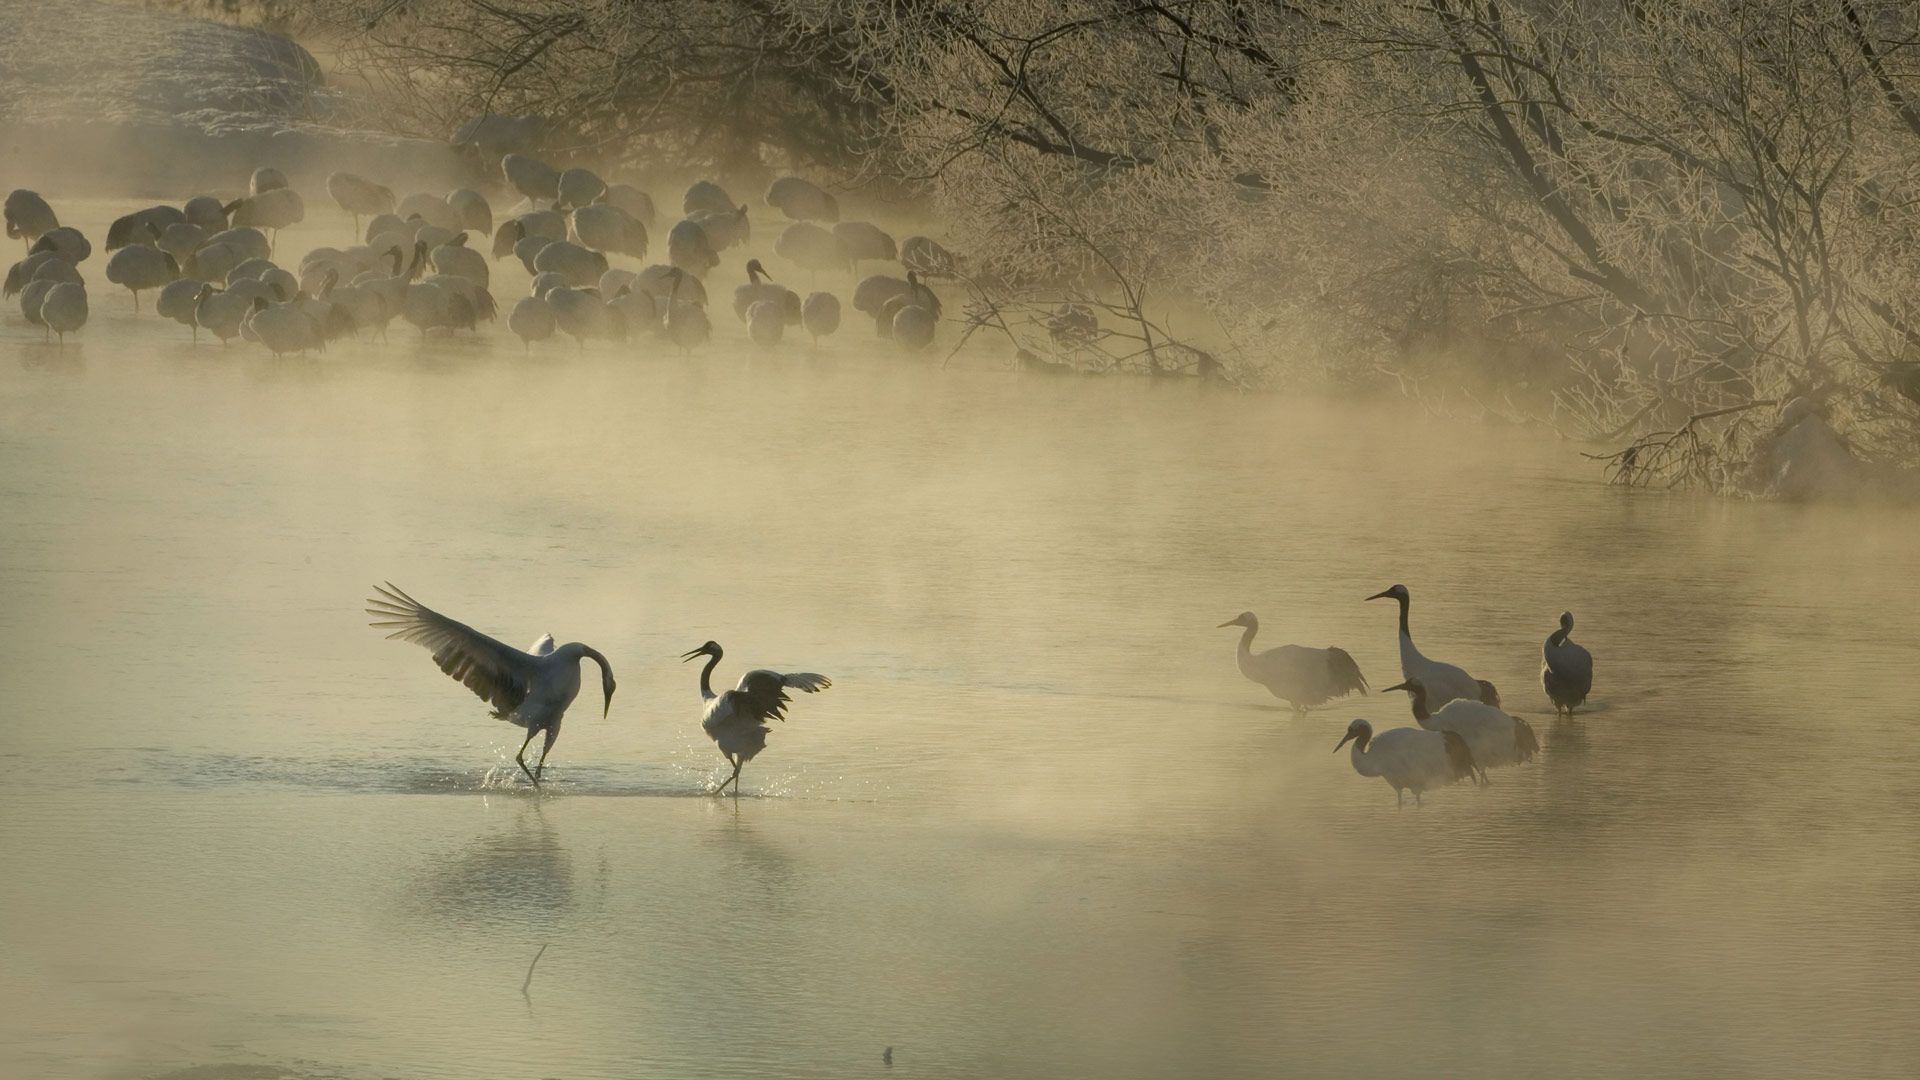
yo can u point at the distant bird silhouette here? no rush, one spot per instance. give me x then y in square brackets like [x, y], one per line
[528, 689]
[737, 719]
[1297, 674]
[1566, 669]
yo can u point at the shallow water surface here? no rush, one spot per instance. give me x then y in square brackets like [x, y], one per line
[1039, 826]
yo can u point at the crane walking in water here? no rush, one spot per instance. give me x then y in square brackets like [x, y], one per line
[1303, 676]
[531, 690]
[1444, 682]
[1566, 669]
[1408, 758]
[737, 719]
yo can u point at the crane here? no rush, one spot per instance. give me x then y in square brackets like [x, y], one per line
[527, 689]
[1494, 737]
[1566, 669]
[1444, 682]
[1408, 758]
[1297, 674]
[737, 719]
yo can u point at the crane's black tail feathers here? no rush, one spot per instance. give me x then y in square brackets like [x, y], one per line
[1488, 695]
[1525, 745]
[1346, 673]
[1459, 757]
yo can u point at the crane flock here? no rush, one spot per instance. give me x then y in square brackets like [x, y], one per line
[1463, 732]
[532, 690]
[425, 259]
[211, 265]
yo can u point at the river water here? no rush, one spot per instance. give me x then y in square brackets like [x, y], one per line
[1039, 827]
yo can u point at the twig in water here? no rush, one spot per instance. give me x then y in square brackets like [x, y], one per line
[529, 981]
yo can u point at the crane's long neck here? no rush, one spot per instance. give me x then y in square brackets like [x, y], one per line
[1246, 644]
[1410, 658]
[706, 677]
[1363, 762]
[1420, 713]
[1559, 637]
[593, 654]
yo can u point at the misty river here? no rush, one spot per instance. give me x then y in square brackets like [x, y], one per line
[1039, 827]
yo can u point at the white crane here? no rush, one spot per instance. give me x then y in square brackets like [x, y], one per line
[1444, 682]
[578, 187]
[28, 216]
[737, 719]
[1408, 758]
[706, 195]
[631, 199]
[785, 300]
[915, 315]
[581, 267]
[1297, 674]
[472, 208]
[531, 177]
[71, 244]
[866, 242]
[138, 266]
[359, 196]
[1494, 737]
[64, 309]
[685, 322]
[925, 254]
[530, 690]
[531, 320]
[802, 200]
[813, 247]
[1566, 669]
[766, 322]
[821, 314]
[180, 299]
[690, 248]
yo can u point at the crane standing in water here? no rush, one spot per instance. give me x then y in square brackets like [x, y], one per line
[737, 719]
[1300, 675]
[1408, 758]
[1444, 682]
[1494, 737]
[530, 690]
[1566, 669]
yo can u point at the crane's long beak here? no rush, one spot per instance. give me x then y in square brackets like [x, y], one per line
[1399, 686]
[1343, 742]
[684, 657]
[1384, 593]
[1229, 622]
[607, 708]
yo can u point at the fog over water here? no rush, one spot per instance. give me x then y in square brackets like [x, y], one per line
[1039, 826]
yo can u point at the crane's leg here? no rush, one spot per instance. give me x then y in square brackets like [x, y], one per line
[737, 762]
[521, 757]
[1416, 798]
[1399, 798]
[540, 769]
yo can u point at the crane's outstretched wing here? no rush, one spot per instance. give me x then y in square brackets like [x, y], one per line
[497, 672]
[1346, 673]
[763, 694]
